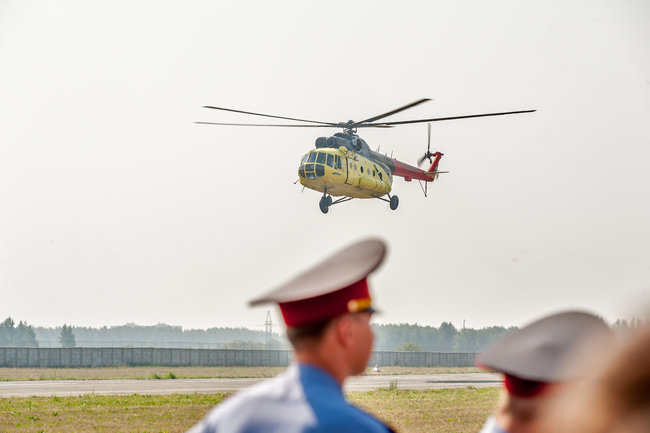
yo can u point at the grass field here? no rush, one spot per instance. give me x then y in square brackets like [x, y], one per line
[445, 411]
[452, 410]
[8, 374]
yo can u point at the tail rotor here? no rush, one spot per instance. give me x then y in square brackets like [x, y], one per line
[428, 153]
[434, 159]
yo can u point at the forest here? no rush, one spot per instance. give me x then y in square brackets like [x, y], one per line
[388, 337]
[401, 337]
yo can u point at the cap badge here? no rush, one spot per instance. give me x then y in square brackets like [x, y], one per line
[356, 305]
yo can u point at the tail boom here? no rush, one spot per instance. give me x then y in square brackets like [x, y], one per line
[409, 172]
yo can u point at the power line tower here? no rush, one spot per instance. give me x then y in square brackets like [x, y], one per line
[268, 325]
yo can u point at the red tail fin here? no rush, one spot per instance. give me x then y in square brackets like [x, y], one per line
[436, 161]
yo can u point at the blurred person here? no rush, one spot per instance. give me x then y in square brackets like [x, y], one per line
[615, 398]
[327, 310]
[540, 362]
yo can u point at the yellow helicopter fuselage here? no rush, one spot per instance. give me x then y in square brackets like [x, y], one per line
[342, 172]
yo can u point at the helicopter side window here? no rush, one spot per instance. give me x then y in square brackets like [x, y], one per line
[362, 169]
[330, 160]
[312, 157]
[321, 158]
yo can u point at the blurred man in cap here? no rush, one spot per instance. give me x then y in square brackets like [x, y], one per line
[539, 362]
[327, 311]
[615, 396]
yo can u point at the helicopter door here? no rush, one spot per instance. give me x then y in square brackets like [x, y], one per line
[336, 164]
[347, 170]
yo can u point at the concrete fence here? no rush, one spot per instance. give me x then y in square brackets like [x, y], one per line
[423, 359]
[130, 356]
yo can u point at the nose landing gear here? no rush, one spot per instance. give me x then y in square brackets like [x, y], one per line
[325, 203]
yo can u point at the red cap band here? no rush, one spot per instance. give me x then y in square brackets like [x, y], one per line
[313, 310]
[522, 387]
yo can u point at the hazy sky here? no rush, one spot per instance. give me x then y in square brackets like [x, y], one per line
[115, 207]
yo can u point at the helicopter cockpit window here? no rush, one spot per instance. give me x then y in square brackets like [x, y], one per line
[309, 171]
[312, 165]
[337, 162]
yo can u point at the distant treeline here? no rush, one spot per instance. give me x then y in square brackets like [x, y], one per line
[398, 337]
[18, 336]
[402, 337]
[162, 335]
[446, 338]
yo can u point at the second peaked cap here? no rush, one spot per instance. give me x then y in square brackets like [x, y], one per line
[555, 348]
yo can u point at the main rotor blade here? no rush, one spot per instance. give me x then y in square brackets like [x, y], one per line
[381, 116]
[283, 126]
[268, 115]
[437, 119]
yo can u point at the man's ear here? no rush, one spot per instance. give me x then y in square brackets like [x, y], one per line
[344, 334]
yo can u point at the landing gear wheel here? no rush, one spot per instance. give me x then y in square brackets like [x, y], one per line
[394, 202]
[329, 200]
[324, 204]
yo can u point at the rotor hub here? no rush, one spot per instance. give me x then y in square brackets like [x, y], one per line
[349, 127]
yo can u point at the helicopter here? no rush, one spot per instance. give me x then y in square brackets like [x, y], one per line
[344, 166]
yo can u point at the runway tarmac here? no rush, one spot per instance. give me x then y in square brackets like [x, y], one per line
[64, 388]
